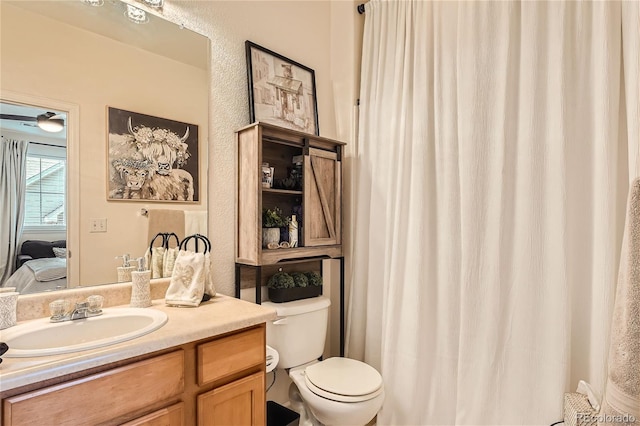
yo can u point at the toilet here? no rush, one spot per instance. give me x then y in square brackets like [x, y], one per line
[335, 391]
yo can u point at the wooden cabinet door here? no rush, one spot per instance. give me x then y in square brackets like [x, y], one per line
[241, 402]
[322, 198]
[170, 416]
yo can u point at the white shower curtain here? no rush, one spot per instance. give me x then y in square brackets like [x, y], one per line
[490, 177]
[13, 181]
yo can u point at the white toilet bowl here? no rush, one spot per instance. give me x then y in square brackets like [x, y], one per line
[340, 391]
[336, 391]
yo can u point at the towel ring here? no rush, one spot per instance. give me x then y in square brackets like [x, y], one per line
[196, 238]
[164, 240]
[168, 238]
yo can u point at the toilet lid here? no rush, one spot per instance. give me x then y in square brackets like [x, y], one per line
[344, 379]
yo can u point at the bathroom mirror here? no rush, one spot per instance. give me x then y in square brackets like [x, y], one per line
[79, 59]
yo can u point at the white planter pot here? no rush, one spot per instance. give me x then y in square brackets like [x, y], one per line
[270, 235]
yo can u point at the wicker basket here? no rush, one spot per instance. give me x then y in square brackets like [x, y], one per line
[578, 411]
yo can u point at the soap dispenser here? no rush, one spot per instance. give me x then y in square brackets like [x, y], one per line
[124, 271]
[141, 286]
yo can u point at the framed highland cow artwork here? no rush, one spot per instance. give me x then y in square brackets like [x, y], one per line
[151, 158]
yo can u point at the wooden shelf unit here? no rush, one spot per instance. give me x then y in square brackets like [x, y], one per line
[320, 199]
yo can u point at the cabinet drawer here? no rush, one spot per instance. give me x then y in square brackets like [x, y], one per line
[170, 416]
[100, 397]
[230, 355]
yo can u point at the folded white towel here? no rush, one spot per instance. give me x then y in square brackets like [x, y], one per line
[190, 280]
[622, 394]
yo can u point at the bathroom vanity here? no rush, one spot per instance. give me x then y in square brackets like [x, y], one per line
[205, 366]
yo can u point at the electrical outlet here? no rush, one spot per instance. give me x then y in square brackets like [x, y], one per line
[98, 225]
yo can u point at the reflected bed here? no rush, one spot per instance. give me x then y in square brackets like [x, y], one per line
[39, 275]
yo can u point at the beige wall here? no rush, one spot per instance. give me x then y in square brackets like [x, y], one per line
[94, 72]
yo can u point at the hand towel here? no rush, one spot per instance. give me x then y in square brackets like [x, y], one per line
[208, 276]
[621, 402]
[154, 258]
[165, 220]
[188, 280]
[195, 222]
[170, 255]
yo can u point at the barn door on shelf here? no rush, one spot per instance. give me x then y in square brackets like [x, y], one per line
[322, 189]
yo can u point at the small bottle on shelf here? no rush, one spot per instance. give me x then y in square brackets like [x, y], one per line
[293, 232]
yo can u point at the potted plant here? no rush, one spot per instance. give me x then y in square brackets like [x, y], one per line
[284, 287]
[272, 221]
[315, 279]
[281, 280]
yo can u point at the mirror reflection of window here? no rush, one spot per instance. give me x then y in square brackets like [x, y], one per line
[45, 198]
[37, 199]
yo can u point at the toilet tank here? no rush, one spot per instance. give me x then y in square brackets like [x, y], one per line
[299, 332]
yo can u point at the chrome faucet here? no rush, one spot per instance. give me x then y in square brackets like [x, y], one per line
[80, 311]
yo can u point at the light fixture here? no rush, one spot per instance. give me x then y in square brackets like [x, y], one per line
[154, 3]
[50, 122]
[136, 15]
[95, 3]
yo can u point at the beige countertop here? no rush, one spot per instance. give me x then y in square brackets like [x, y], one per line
[220, 315]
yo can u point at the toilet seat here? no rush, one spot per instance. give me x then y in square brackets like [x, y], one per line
[343, 380]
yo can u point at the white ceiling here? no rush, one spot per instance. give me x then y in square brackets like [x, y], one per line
[158, 35]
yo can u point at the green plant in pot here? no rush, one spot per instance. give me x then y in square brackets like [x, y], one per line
[272, 221]
[300, 279]
[314, 279]
[284, 287]
[281, 280]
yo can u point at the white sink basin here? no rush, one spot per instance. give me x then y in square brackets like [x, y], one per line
[41, 337]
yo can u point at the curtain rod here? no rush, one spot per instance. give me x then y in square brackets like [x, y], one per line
[361, 9]
[42, 143]
[48, 144]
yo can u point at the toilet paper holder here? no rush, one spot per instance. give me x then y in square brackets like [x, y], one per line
[272, 358]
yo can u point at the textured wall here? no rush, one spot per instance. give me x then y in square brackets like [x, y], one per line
[300, 30]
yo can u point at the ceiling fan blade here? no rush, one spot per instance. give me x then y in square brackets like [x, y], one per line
[16, 117]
